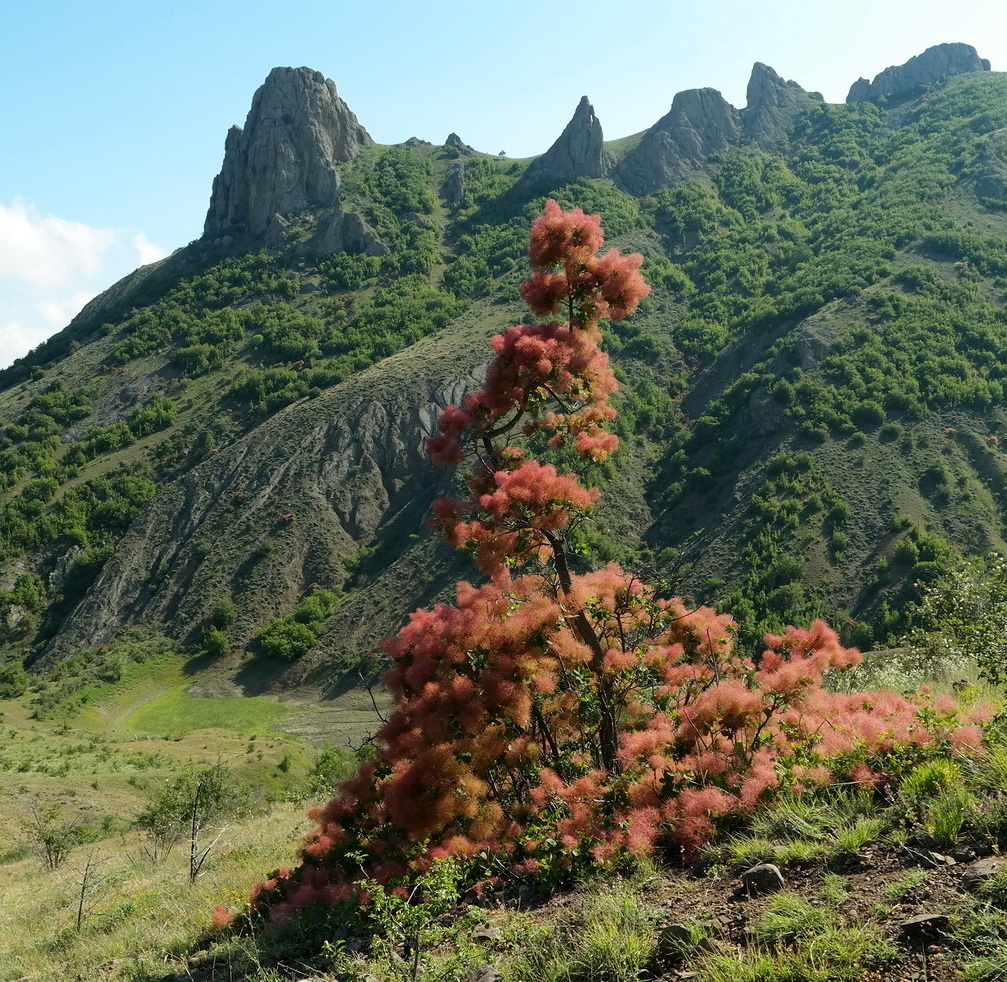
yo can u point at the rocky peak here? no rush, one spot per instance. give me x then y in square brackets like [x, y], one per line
[579, 152]
[285, 158]
[700, 122]
[454, 141]
[935, 63]
[773, 104]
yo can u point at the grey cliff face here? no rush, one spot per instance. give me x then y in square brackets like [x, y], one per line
[285, 159]
[700, 123]
[773, 105]
[579, 152]
[453, 188]
[935, 63]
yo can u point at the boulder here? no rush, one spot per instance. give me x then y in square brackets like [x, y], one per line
[979, 873]
[925, 926]
[762, 879]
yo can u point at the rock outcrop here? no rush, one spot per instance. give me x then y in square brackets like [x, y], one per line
[346, 231]
[992, 180]
[932, 65]
[453, 188]
[286, 157]
[700, 122]
[579, 152]
[773, 105]
[454, 141]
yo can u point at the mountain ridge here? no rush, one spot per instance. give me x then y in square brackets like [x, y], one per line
[244, 420]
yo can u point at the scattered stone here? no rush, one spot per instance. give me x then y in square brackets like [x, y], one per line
[484, 973]
[929, 859]
[761, 879]
[924, 925]
[981, 872]
[675, 944]
[963, 853]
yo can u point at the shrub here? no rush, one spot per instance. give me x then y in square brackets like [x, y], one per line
[287, 640]
[551, 721]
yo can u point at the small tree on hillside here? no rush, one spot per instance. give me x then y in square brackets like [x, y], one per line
[553, 719]
[185, 809]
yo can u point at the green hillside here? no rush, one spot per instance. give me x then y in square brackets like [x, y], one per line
[810, 412]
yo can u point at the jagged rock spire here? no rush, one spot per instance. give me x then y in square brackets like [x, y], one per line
[700, 122]
[579, 152]
[935, 63]
[773, 104]
[285, 158]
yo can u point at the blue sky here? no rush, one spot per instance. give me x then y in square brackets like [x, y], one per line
[113, 112]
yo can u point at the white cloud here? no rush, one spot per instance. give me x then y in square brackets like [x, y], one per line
[147, 250]
[51, 267]
[49, 251]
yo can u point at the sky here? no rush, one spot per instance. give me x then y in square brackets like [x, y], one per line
[113, 113]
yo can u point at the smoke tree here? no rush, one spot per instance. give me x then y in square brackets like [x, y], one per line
[554, 718]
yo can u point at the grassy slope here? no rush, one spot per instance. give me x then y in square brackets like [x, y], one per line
[98, 766]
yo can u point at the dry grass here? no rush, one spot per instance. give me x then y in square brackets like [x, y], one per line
[140, 915]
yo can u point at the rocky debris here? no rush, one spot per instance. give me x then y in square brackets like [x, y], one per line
[580, 151]
[979, 873]
[286, 157]
[700, 123]
[773, 105]
[762, 879]
[924, 926]
[927, 858]
[932, 65]
[454, 141]
[453, 188]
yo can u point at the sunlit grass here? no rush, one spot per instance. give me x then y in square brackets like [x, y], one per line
[177, 712]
